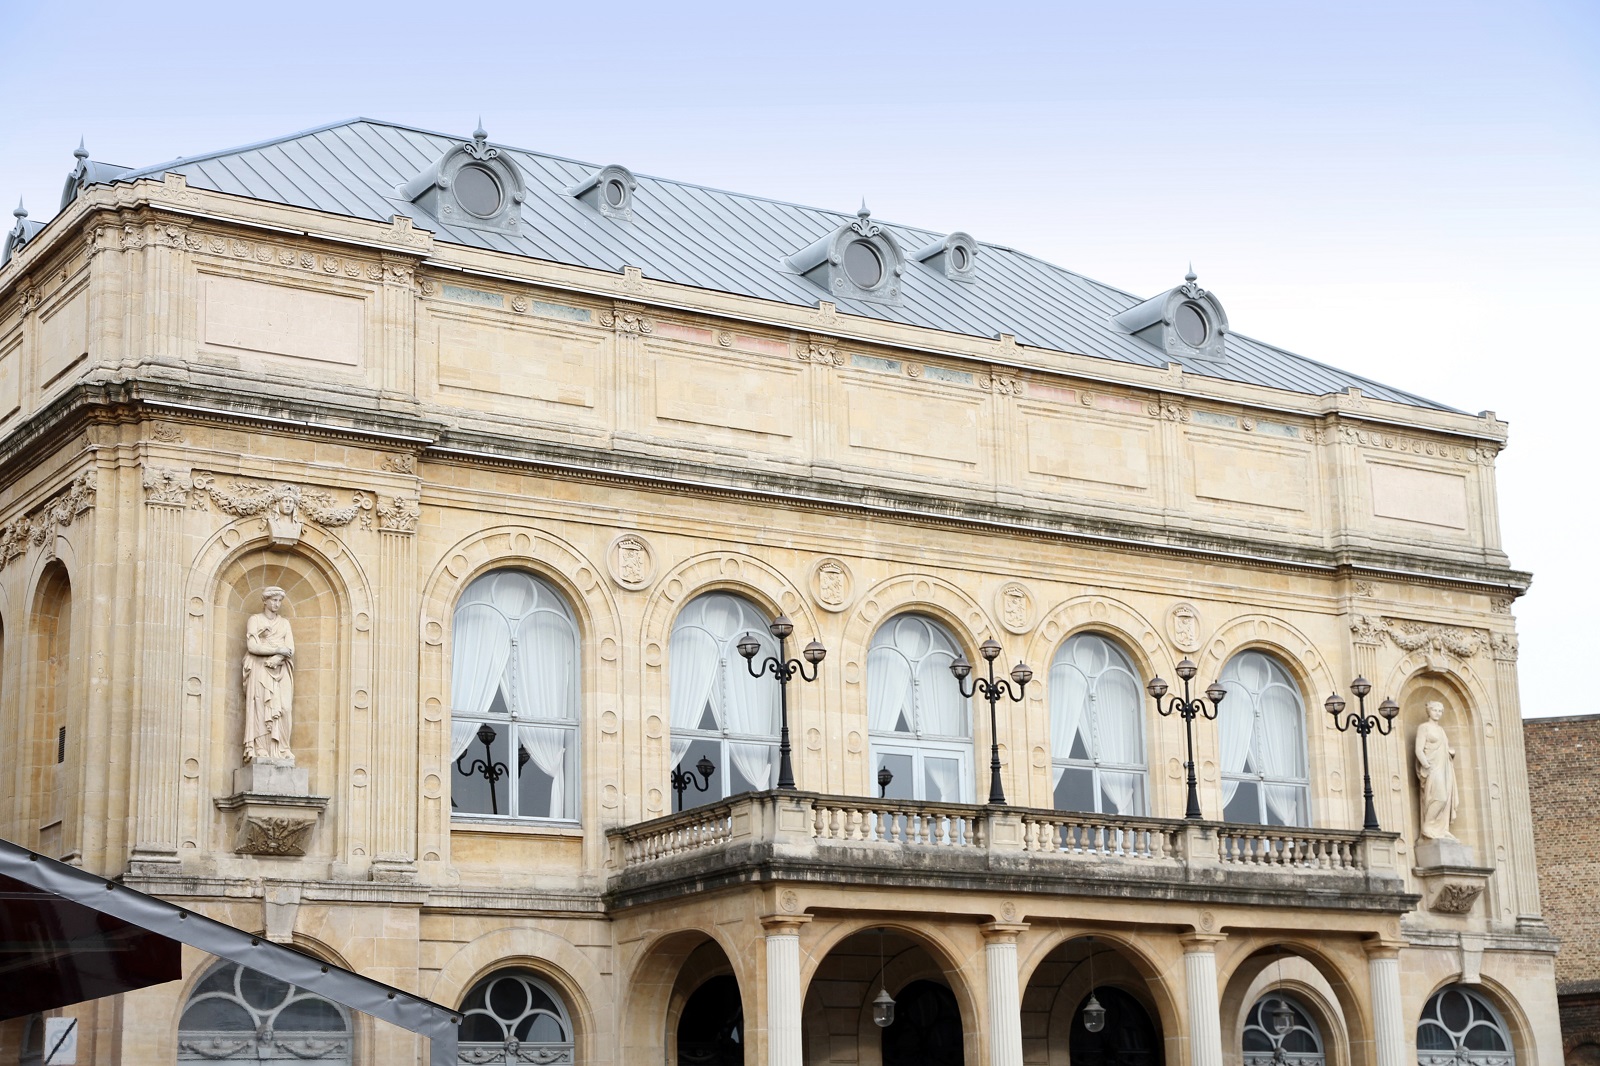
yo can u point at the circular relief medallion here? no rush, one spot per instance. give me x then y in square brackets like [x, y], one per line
[1183, 627]
[631, 561]
[814, 739]
[1208, 921]
[1015, 606]
[832, 584]
[790, 901]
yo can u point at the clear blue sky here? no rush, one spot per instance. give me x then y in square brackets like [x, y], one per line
[1406, 190]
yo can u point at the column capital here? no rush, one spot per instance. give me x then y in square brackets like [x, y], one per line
[1002, 932]
[1382, 947]
[783, 924]
[1201, 943]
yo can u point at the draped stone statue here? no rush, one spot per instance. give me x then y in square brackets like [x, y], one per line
[1436, 776]
[268, 683]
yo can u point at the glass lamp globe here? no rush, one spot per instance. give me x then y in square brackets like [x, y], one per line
[883, 1010]
[1282, 1018]
[1094, 1015]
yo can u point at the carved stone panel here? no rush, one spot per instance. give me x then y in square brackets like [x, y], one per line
[1015, 607]
[1183, 627]
[832, 584]
[631, 561]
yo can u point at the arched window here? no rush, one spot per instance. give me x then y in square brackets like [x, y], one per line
[920, 725]
[237, 1013]
[1262, 728]
[1096, 728]
[720, 712]
[1459, 1027]
[514, 700]
[513, 1017]
[1298, 1045]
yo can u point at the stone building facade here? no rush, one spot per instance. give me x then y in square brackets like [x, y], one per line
[526, 447]
[1563, 769]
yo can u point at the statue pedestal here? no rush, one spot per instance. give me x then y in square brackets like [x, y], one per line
[272, 808]
[1451, 877]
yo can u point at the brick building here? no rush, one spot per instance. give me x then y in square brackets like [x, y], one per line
[1564, 778]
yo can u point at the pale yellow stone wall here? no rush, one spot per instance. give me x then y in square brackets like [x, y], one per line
[161, 368]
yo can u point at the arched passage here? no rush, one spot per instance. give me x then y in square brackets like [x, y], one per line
[930, 1026]
[686, 1003]
[1055, 1008]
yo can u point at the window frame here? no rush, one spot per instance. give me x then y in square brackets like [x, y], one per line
[1238, 693]
[1094, 763]
[918, 743]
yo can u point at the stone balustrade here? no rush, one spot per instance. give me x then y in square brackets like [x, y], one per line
[803, 836]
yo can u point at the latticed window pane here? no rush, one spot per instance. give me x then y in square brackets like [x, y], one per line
[514, 1017]
[1299, 1045]
[240, 1014]
[1460, 1028]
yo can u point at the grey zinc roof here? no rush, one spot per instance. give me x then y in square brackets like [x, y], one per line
[727, 242]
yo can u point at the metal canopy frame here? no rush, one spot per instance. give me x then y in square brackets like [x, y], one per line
[421, 1016]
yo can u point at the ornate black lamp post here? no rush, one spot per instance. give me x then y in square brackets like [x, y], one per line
[486, 767]
[991, 690]
[682, 779]
[1188, 709]
[1363, 723]
[784, 670]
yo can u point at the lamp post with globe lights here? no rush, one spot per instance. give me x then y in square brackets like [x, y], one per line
[784, 669]
[1188, 709]
[992, 690]
[1363, 723]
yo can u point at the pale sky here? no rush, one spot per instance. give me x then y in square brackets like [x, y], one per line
[1404, 190]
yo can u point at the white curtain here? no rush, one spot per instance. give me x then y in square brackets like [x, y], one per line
[1069, 695]
[888, 689]
[946, 776]
[752, 710]
[694, 657]
[480, 648]
[1236, 722]
[547, 661]
[943, 708]
[1116, 702]
[1282, 748]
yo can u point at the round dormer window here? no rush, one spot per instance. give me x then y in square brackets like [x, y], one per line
[960, 258]
[1191, 325]
[863, 265]
[616, 192]
[478, 191]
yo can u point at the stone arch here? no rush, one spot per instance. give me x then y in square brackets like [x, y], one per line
[1136, 635]
[551, 957]
[581, 581]
[1156, 995]
[772, 591]
[332, 732]
[936, 946]
[968, 622]
[1345, 1021]
[653, 996]
[1298, 655]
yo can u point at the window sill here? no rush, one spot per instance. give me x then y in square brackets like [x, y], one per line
[494, 825]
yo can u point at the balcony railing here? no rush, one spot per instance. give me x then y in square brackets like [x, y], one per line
[851, 839]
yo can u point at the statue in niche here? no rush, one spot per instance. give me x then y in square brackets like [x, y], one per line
[268, 683]
[1436, 776]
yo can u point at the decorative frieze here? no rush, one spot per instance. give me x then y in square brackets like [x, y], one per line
[819, 351]
[38, 528]
[1411, 636]
[999, 384]
[166, 487]
[625, 318]
[1168, 411]
[287, 502]
[1397, 442]
[399, 514]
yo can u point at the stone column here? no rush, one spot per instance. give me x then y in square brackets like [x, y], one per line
[1205, 1008]
[1388, 1023]
[1005, 1000]
[783, 988]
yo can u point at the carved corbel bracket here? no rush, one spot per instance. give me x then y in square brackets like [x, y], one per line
[1451, 879]
[268, 824]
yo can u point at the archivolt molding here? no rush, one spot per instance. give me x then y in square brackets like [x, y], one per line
[241, 536]
[1474, 700]
[1137, 954]
[969, 623]
[1136, 634]
[649, 994]
[727, 571]
[945, 954]
[544, 953]
[40, 526]
[1294, 649]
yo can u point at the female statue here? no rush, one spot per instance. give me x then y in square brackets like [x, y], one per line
[1436, 772]
[268, 682]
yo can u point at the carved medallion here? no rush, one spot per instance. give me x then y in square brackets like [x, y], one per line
[1183, 627]
[1014, 604]
[832, 584]
[631, 561]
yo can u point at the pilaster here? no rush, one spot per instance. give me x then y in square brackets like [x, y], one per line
[394, 703]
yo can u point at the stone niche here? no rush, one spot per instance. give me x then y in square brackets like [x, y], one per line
[1452, 879]
[275, 807]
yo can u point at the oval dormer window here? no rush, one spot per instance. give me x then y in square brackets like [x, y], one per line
[478, 191]
[960, 258]
[1190, 322]
[863, 264]
[616, 192]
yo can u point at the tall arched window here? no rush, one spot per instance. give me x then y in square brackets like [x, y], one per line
[1096, 728]
[1262, 729]
[1460, 1028]
[236, 1014]
[920, 725]
[1299, 1045]
[720, 712]
[513, 1017]
[514, 700]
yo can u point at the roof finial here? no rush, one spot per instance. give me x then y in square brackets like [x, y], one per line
[21, 212]
[1191, 277]
[80, 153]
[480, 134]
[865, 211]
